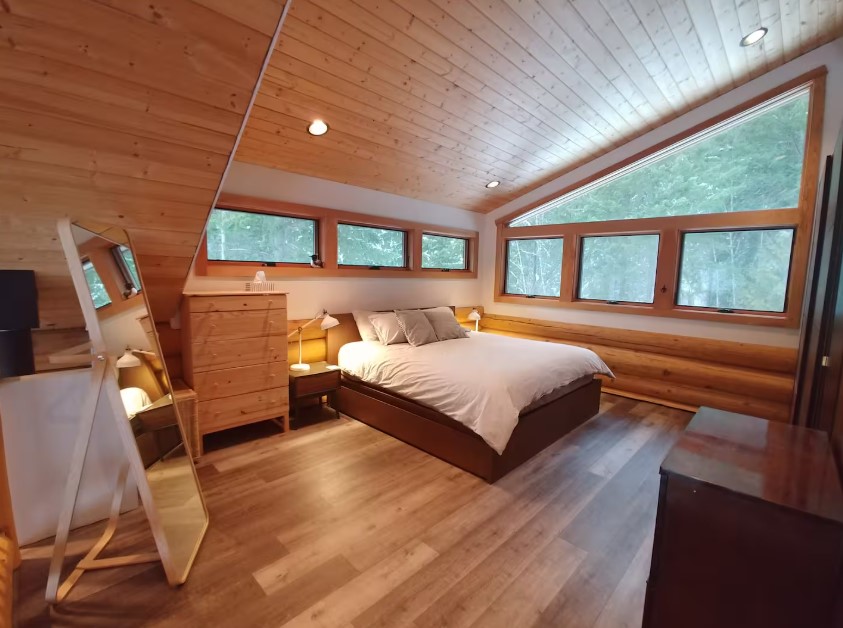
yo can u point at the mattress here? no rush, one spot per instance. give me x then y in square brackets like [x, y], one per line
[484, 381]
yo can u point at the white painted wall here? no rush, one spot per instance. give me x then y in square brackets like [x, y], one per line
[124, 329]
[306, 295]
[830, 55]
[41, 415]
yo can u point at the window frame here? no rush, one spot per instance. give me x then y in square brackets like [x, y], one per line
[99, 252]
[534, 297]
[327, 225]
[699, 308]
[268, 264]
[671, 229]
[579, 268]
[404, 244]
[441, 269]
[123, 267]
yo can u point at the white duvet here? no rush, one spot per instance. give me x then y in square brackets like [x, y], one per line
[483, 381]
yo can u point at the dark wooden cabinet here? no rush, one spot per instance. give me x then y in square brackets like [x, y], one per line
[749, 531]
[318, 381]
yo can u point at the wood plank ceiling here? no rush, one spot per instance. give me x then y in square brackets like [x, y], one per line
[122, 112]
[432, 99]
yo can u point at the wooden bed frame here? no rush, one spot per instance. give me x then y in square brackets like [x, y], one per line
[439, 435]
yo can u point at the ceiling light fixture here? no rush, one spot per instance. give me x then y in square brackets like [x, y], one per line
[493, 184]
[317, 127]
[754, 37]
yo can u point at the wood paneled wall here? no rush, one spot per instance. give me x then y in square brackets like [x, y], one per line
[679, 370]
[122, 112]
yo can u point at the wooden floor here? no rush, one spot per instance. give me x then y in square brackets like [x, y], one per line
[338, 525]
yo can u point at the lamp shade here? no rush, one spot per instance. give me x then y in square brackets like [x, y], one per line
[328, 321]
[128, 360]
[474, 315]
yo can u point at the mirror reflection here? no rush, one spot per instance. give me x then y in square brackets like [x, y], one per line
[158, 411]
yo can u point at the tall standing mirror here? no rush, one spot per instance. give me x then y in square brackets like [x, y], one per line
[134, 382]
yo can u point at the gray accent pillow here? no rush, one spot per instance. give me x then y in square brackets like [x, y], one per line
[364, 325]
[416, 327]
[445, 324]
[387, 328]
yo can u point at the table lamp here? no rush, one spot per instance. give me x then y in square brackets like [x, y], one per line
[328, 321]
[474, 315]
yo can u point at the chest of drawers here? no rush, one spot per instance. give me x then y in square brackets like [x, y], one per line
[234, 348]
[749, 530]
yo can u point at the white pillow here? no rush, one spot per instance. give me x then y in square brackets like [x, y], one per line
[134, 400]
[416, 327]
[445, 324]
[442, 308]
[364, 325]
[387, 328]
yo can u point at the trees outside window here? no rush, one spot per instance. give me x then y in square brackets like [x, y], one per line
[619, 268]
[253, 237]
[370, 246]
[534, 267]
[95, 285]
[749, 165]
[736, 270]
[444, 252]
[714, 224]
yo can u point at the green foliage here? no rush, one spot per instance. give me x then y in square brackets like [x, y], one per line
[95, 285]
[737, 270]
[534, 267]
[443, 252]
[619, 268]
[370, 246]
[252, 237]
[753, 165]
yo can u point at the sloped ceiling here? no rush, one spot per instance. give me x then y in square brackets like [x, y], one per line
[432, 99]
[122, 112]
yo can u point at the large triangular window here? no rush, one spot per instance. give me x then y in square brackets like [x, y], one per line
[752, 161]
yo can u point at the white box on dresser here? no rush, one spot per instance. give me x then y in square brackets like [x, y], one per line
[234, 347]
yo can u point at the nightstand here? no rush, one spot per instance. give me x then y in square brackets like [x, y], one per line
[318, 381]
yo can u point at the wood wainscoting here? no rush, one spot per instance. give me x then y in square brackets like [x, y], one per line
[679, 371]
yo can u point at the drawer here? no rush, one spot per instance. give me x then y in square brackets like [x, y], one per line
[231, 303]
[239, 380]
[221, 414]
[233, 325]
[233, 353]
[313, 384]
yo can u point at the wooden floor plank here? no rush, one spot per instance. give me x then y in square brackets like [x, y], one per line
[522, 603]
[338, 525]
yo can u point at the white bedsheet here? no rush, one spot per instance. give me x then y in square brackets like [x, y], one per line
[483, 381]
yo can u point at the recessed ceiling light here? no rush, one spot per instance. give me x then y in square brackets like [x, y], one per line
[493, 184]
[754, 37]
[317, 127]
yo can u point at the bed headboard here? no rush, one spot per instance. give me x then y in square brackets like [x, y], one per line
[347, 332]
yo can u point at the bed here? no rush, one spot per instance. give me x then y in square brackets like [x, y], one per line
[433, 396]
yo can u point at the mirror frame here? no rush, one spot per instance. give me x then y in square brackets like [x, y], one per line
[110, 387]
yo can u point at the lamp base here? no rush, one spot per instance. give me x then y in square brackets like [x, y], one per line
[300, 367]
